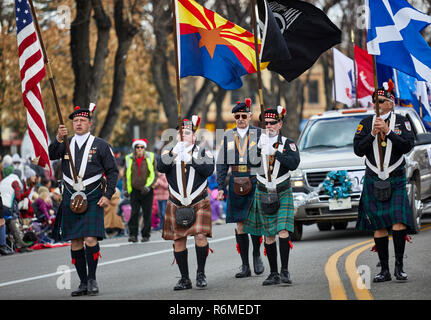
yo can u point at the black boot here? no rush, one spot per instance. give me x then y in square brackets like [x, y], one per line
[284, 255]
[271, 253]
[92, 254]
[399, 238]
[201, 255]
[182, 260]
[383, 252]
[242, 246]
[79, 260]
[257, 259]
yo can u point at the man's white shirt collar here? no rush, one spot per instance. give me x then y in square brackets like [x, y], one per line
[80, 140]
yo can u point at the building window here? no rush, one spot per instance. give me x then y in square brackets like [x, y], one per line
[313, 91]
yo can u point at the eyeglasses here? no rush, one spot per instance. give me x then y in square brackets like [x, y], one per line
[382, 100]
[243, 116]
[140, 147]
[272, 123]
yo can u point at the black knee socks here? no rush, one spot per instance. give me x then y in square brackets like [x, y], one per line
[243, 244]
[382, 245]
[284, 252]
[182, 261]
[201, 256]
[92, 255]
[256, 241]
[271, 253]
[78, 259]
[399, 238]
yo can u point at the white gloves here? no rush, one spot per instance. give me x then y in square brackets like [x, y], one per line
[265, 145]
[181, 152]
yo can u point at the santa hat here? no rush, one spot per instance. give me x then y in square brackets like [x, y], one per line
[142, 142]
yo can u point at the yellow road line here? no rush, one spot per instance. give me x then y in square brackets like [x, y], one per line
[336, 288]
[361, 292]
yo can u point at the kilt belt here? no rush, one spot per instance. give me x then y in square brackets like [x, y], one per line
[198, 198]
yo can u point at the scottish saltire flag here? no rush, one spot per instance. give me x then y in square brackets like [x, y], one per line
[394, 37]
[212, 47]
[32, 69]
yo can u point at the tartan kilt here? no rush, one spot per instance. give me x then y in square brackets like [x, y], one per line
[258, 223]
[88, 224]
[202, 225]
[374, 215]
[238, 206]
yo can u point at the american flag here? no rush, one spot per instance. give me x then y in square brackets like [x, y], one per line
[32, 70]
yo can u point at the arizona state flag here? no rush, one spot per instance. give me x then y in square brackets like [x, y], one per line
[213, 47]
[308, 33]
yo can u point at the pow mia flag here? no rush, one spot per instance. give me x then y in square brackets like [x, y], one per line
[307, 31]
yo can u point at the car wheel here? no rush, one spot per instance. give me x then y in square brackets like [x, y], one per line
[324, 226]
[297, 231]
[341, 225]
[414, 204]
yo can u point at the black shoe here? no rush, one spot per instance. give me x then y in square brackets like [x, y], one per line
[258, 265]
[4, 251]
[399, 274]
[183, 284]
[24, 249]
[145, 239]
[273, 278]
[285, 276]
[92, 287]
[82, 290]
[201, 280]
[133, 239]
[383, 276]
[244, 273]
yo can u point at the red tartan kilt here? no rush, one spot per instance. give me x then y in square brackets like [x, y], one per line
[202, 225]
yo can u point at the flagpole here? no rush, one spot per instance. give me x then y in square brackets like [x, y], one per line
[352, 36]
[334, 80]
[52, 83]
[259, 74]
[377, 108]
[177, 77]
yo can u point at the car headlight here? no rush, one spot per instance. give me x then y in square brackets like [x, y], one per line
[297, 174]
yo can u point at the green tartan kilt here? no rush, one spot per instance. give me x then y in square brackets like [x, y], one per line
[375, 215]
[88, 224]
[258, 223]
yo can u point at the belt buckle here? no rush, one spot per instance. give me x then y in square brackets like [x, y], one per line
[242, 168]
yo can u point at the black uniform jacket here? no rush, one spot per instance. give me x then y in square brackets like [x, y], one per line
[288, 157]
[202, 162]
[402, 138]
[229, 154]
[100, 160]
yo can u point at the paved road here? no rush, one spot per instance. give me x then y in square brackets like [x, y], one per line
[323, 267]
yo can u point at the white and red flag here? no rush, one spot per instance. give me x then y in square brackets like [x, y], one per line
[32, 69]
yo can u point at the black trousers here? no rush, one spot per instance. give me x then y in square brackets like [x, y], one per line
[138, 201]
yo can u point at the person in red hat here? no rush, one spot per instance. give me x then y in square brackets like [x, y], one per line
[93, 158]
[139, 181]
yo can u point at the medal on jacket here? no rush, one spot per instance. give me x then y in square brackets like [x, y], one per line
[383, 143]
[242, 149]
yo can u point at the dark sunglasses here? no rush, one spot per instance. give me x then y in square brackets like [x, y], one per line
[140, 147]
[382, 100]
[272, 123]
[243, 116]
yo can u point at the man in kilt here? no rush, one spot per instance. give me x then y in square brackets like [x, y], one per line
[387, 207]
[279, 155]
[238, 148]
[92, 158]
[199, 165]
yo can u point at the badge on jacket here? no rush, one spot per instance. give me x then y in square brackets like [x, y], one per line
[292, 147]
[408, 127]
[359, 128]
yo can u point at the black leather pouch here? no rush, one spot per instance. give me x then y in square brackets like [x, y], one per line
[185, 217]
[382, 190]
[270, 203]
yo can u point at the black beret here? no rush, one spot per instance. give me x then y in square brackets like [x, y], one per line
[242, 106]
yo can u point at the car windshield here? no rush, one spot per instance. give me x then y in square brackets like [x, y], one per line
[329, 133]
